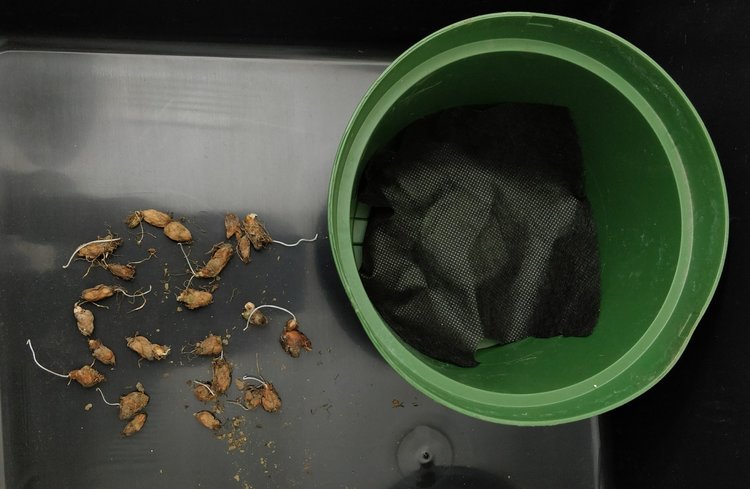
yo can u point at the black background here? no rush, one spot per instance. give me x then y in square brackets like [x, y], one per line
[691, 430]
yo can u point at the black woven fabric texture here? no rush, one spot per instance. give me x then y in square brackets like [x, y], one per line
[480, 228]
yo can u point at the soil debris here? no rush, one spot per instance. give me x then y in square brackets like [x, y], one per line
[235, 437]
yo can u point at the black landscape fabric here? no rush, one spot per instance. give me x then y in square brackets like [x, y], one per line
[480, 228]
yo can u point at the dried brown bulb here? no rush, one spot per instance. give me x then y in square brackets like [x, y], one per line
[253, 397]
[101, 352]
[125, 272]
[244, 248]
[176, 231]
[86, 376]
[222, 376]
[209, 346]
[232, 226]
[132, 403]
[130, 406]
[147, 350]
[156, 218]
[98, 292]
[102, 247]
[94, 250]
[257, 233]
[264, 395]
[203, 392]
[270, 398]
[294, 341]
[207, 419]
[84, 320]
[220, 255]
[256, 318]
[194, 298]
[135, 425]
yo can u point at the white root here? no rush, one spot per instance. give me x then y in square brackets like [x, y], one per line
[260, 380]
[266, 306]
[105, 400]
[301, 240]
[33, 355]
[96, 241]
[206, 386]
[134, 295]
[239, 404]
[190, 266]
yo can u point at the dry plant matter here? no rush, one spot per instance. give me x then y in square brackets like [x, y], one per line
[101, 352]
[207, 419]
[147, 350]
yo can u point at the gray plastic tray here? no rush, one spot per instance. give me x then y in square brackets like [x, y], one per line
[86, 138]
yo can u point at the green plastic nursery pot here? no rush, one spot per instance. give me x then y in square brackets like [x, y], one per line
[652, 177]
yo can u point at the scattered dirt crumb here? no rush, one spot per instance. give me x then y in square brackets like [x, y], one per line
[396, 403]
[88, 407]
[236, 439]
